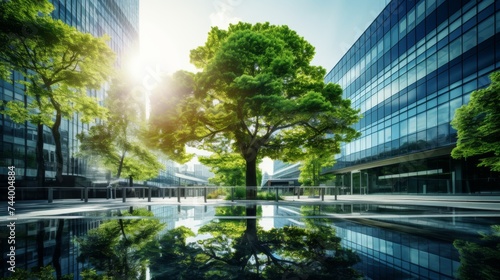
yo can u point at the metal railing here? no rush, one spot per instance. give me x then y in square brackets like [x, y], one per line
[206, 192]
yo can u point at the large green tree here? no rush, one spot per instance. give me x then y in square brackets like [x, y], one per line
[478, 126]
[57, 68]
[25, 20]
[118, 142]
[257, 88]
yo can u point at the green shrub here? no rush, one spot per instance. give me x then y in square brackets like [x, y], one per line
[268, 196]
[216, 193]
[239, 193]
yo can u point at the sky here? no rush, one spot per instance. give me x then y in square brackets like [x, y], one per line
[169, 29]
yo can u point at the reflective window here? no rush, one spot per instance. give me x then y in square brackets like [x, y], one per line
[412, 124]
[421, 121]
[395, 131]
[432, 118]
[486, 29]
[454, 105]
[469, 39]
[455, 48]
[388, 136]
[404, 127]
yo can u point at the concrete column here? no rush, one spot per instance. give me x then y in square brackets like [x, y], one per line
[453, 182]
[352, 184]
[50, 195]
[360, 183]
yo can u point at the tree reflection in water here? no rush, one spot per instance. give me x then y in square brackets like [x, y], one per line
[479, 260]
[240, 249]
[119, 248]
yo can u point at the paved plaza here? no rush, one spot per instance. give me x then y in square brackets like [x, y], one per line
[43, 209]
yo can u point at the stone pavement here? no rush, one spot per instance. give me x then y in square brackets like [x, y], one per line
[41, 208]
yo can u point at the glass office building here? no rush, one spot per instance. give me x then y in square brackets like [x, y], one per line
[119, 19]
[407, 73]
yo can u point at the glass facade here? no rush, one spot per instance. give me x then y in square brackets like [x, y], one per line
[407, 74]
[389, 254]
[119, 19]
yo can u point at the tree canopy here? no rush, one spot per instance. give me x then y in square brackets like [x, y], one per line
[257, 89]
[478, 126]
[57, 64]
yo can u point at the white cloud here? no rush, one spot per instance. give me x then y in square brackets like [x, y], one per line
[222, 19]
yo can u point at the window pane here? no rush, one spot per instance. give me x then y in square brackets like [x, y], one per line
[486, 29]
[432, 118]
[412, 124]
[404, 127]
[388, 136]
[421, 121]
[395, 131]
[454, 105]
[442, 57]
[469, 39]
[455, 48]
[443, 113]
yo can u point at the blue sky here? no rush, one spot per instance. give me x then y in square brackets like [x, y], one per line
[171, 28]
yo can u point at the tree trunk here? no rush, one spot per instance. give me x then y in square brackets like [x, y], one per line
[40, 248]
[120, 165]
[251, 177]
[251, 229]
[40, 161]
[56, 258]
[314, 179]
[57, 139]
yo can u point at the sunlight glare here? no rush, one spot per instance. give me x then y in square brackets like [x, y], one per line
[135, 67]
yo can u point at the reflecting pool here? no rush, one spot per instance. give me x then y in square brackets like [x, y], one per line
[258, 241]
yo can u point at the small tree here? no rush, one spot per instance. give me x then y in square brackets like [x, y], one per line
[478, 126]
[57, 68]
[228, 169]
[312, 165]
[257, 89]
[118, 143]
